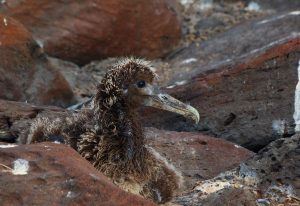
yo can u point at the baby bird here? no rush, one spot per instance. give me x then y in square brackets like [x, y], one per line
[108, 133]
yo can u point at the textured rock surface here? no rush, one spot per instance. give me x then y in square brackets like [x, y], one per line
[278, 5]
[241, 85]
[98, 29]
[25, 72]
[204, 19]
[279, 164]
[272, 177]
[56, 175]
[83, 80]
[197, 156]
[231, 48]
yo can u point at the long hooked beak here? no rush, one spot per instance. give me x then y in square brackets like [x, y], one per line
[169, 103]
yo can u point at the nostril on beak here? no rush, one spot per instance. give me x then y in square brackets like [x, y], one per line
[163, 97]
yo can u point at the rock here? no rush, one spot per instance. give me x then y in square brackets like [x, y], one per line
[243, 86]
[53, 174]
[204, 19]
[241, 197]
[278, 5]
[230, 48]
[25, 71]
[83, 80]
[82, 83]
[269, 178]
[278, 164]
[95, 30]
[197, 156]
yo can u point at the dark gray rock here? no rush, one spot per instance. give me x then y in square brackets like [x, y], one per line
[242, 82]
[278, 5]
[272, 177]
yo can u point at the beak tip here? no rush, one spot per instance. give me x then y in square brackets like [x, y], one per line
[197, 119]
[194, 114]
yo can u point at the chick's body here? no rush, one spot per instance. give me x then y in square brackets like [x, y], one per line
[108, 133]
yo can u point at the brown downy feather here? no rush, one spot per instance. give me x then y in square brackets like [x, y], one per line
[110, 137]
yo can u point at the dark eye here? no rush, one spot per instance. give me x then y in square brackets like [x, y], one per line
[141, 84]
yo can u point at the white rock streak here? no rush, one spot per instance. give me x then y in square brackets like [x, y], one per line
[5, 21]
[4, 146]
[188, 61]
[297, 102]
[292, 13]
[179, 83]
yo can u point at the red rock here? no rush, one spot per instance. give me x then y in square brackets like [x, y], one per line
[57, 175]
[25, 73]
[241, 84]
[81, 32]
[197, 156]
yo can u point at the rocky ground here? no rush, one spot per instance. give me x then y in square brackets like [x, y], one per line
[235, 61]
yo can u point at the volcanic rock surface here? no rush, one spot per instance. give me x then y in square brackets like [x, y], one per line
[278, 5]
[52, 174]
[81, 32]
[272, 177]
[25, 71]
[242, 82]
[198, 157]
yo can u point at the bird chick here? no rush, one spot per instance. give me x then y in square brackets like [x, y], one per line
[109, 135]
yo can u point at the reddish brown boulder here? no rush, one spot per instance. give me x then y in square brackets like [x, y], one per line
[25, 72]
[198, 157]
[51, 174]
[84, 31]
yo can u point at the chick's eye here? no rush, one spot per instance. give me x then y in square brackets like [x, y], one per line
[141, 84]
